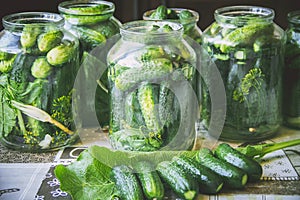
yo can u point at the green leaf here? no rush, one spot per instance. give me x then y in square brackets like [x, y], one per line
[114, 158]
[86, 178]
[7, 114]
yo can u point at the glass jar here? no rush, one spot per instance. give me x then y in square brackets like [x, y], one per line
[92, 22]
[291, 97]
[188, 18]
[248, 49]
[151, 82]
[39, 62]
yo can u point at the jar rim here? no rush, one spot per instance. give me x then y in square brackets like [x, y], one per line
[294, 17]
[141, 27]
[37, 18]
[244, 12]
[194, 18]
[64, 7]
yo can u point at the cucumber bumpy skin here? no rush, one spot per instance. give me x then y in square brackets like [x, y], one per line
[225, 152]
[127, 183]
[151, 183]
[209, 181]
[233, 177]
[184, 185]
[154, 69]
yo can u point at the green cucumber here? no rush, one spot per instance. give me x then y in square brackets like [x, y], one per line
[209, 181]
[151, 183]
[127, 184]
[154, 69]
[133, 114]
[165, 106]
[146, 98]
[233, 177]
[183, 184]
[227, 153]
[245, 35]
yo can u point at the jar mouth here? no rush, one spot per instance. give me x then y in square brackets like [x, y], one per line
[16, 20]
[294, 17]
[142, 27]
[194, 18]
[92, 7]
[244, 13]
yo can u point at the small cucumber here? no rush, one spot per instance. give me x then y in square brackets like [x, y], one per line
[233, 176]
[151, 183]
[127, 183]
[227, 153]
[209, 181]
[133, 114]
[147, 101]
[154, 69]
[184, 185]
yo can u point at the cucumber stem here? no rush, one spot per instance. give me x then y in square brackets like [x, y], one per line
[262, 149]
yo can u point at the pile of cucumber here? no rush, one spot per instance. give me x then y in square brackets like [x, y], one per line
[206, 172]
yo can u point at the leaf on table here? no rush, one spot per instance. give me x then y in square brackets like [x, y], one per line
[113, 158]
[86, 178]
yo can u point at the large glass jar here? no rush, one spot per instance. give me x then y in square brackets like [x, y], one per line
[291, 97]
[39, 62]
[188, 18]
[248, 49]
[92, 22]
[152, 81]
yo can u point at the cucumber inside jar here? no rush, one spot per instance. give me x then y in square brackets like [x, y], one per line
[38, 77]
[249, 58]
[146, 110]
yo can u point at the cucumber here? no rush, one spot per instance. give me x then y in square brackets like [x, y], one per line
[245, 35]
[133, 114]
[151, 183]
[127, 184]
[146, 98]
[165, 106]
[117, 114]
[233, 177]
[209, 181]
[154, 69]
[225, 152]
[183, 184]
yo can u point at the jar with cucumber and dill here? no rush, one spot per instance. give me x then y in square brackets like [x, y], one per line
[93, 23]
[152, 87]
[248, 49]
[39, 60]
[291, 97]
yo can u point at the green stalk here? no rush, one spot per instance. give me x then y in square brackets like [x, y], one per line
[21, 122]
[258, 151]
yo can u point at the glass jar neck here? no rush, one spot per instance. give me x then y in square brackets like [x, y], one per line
[193, 20]
[16, 22]
[87, 8]
[149, 31]
[294, 19]
[241, 15]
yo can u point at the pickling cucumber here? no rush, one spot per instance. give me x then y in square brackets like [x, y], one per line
[127, 184]
[133, 115]
[146, 97]
[183, 184]
[233, 177]
[209, 181]
[227, 153]
[155, 69]
[151, 183]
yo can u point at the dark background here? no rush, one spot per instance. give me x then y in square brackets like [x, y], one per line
[128, 10]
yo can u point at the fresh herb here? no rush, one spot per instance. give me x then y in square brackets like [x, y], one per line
[259, 150]
[253, 79]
